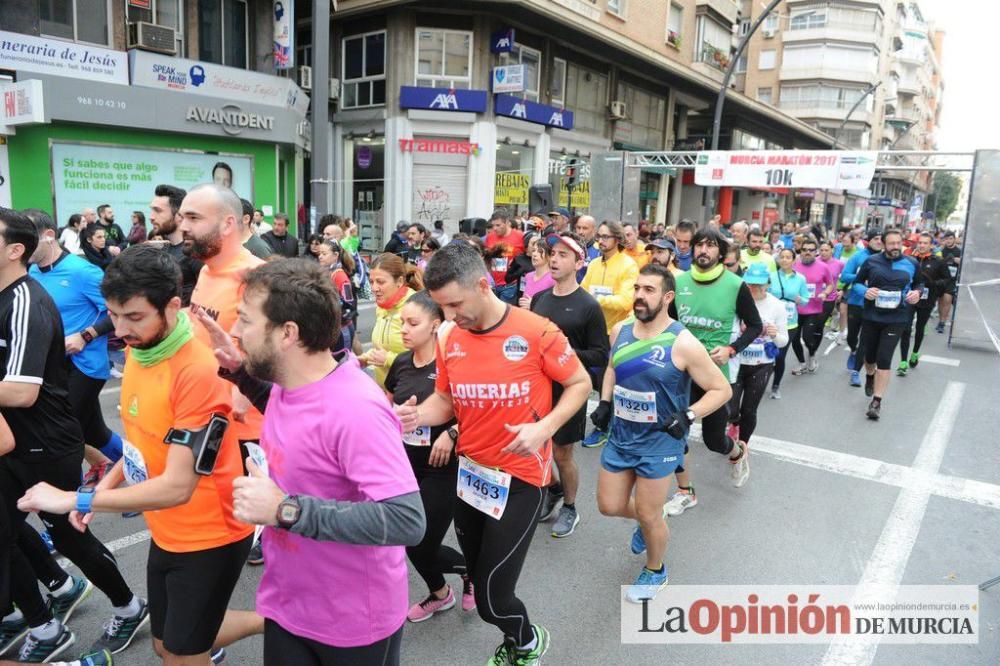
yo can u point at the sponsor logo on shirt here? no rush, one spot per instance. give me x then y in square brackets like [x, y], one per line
[656, 356]
[515, 348]
[133, 406]
[507, 394]
[699, 322]
[567, 354]
[456, 352]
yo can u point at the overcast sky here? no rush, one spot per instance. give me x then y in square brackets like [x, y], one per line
[968, 119]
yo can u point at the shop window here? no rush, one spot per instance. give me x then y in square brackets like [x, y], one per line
[78, 20]
[444, 58]
[363, 70]
[222, 32]
[557, 82]
[531, 59]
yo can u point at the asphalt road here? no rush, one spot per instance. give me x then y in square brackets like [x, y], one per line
[833, 499]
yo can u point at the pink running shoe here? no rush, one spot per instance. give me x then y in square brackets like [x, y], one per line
[426, 608]
[468, 595]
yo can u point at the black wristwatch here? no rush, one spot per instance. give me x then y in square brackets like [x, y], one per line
[453, 433]
[288, 512]
[87, 337]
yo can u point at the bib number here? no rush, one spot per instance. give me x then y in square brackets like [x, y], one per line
[483, 488]
[135, 464]
[953, 270]
[925, 293]
[256, 453]
[754, 353]
[888, 300]
[500, 265]
[635, 406]
[598, 290]
[811, 288]
[419, 437]
[792, 311]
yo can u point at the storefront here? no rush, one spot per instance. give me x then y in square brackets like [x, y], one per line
[108, 142]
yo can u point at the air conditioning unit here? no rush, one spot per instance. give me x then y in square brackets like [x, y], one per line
[306, 77]
[334, 89]
[768, 33]
[152, 37]
[617, 110]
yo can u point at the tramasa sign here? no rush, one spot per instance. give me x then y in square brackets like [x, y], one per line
[533, 112]
[439, 146]
[819, 169]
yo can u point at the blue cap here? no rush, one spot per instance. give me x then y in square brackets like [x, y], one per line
[757, 273]
[560, 211]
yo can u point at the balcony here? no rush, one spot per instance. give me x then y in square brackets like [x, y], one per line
[839, 32]
[727, 9]
[817, 110]
[827, 71]
[715, 57]
[903, 115]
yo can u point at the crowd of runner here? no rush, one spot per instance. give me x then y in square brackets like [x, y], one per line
[257, 428]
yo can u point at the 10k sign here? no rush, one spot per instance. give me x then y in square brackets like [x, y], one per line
[820, 169]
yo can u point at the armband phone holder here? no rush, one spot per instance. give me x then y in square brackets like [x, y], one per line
[204, 443]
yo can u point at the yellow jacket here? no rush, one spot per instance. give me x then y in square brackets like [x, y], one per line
[639, 254]
[388, 335]
[612, 283]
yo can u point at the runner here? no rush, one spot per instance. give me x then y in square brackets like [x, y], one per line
[430, 454]
[820, 284]
[790, 288]
[683, 233]
[610, 280]
[654, 362]
[757, 360]
[393, 283]
[164, 216]
[855, 303]
[579, 317]
[952, 255]
[503, 244]
[175, 408]
[586, 229]
[340, 264]
[539, 279]
[712, 302]
[48, 447]
[495, 370]
[892, 284]
[634, 248]
[341, 501]
[754, 251]
[662, 251]
[835, 267]
[937, 279]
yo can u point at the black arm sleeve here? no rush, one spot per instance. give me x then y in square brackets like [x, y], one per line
[396, 521]
[256, 390]
[746, 310]
[596, 353]
[104, 325]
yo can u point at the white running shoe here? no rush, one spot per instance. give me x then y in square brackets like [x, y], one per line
[680, 502]
[741, 467]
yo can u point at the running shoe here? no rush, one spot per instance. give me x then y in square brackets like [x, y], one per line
[855, 378]
[47, 540]
[508, 654]
[102, 658]
[940, 327]
[256, 556]
[733, 431]
[426, 609]
[800, 370]
[902, 368]
[813, 364]
[120, 631]
[63, 606]
[832, 334]
[551, 505]
[741, 467]
[11, 634]
[874, 410]
[96, 473]
[468, 594]
[131, 514]
[566, 522]
[681, 502]
[914, 359]
[775, 393]
[219, 656]
[869, 385]
[595, 439]
[37, 651]
[852, 359]
[646, 585]
[638, 543]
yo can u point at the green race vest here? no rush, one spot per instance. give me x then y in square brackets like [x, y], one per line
[708, 310]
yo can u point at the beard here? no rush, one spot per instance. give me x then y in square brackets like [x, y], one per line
[263, 364]
[153, 341]
[205, 247]
[644, 313]
[893, 254]
[705, 262]
[166, 227]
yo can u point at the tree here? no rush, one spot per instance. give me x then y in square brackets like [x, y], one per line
[946, 190]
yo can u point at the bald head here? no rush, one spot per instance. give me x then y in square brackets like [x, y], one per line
[211, 217]
[586, 228]
[739, 231]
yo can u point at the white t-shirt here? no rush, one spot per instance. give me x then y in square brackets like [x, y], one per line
[71, 241]
[772, 311]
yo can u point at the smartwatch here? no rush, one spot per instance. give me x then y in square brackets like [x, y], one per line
[86, 335]
[453, 433]
[84, 498]
[288, 512]
[690, 416]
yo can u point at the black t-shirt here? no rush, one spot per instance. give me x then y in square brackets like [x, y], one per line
[190, 269]
[403, 380]
[580, 318]
[33, 351]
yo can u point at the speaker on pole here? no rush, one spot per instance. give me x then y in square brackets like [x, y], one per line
[540, 199]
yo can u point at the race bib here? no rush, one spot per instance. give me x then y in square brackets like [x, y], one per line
[888, 300]
[256, 453]
[419, 437]
[134, 466]
[754, 353]
[635, 406]
[811, 288]
[953, 270]
[483, 488]
[924, 293]
[792, 311]
[597, 290]
[500, 265]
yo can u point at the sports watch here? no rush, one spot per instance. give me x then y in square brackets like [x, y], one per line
[288, 512]
[453, 433]
[84, 498]
[690, 416]
[87, 336]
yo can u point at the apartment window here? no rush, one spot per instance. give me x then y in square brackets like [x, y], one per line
[78, 20]
[222, 32]
[675, 24]
[808, 20]
[363, 70]
[444, 58]
[557, 82]
[767, 59]
[741, 65]
[822, 96]
[587, 97]
[170, 13]
[714, 41]
[647, 114]
[831, 55]
[771, 23]
[617, 7]
[764, 95]
[837, 16]
[531, 59]
[744, 27]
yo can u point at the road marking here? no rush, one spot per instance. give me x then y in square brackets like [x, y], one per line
[114, 546]
[833, 345]
[940, 360]
[884, 571]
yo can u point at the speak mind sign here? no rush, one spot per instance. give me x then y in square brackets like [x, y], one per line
[820, 169]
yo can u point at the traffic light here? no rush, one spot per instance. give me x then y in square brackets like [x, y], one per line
[571, 174]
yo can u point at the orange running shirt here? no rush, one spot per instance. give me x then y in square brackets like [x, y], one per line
[500, 376]
[182, 392]
[219, 292]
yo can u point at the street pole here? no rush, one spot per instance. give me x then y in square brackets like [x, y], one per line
[836, 143]
[720, 102]
[319, 163]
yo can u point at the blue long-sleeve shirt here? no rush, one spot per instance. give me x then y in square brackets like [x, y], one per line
[894, 278]
[856, 293]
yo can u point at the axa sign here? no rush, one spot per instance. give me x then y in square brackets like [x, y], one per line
[502, 41]
[441, 99]
[533, 112]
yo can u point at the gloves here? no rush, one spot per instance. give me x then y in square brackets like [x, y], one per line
[601, 418]
[677, 426]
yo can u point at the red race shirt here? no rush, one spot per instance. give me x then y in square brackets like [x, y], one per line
[513, 245]
[504, 376]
